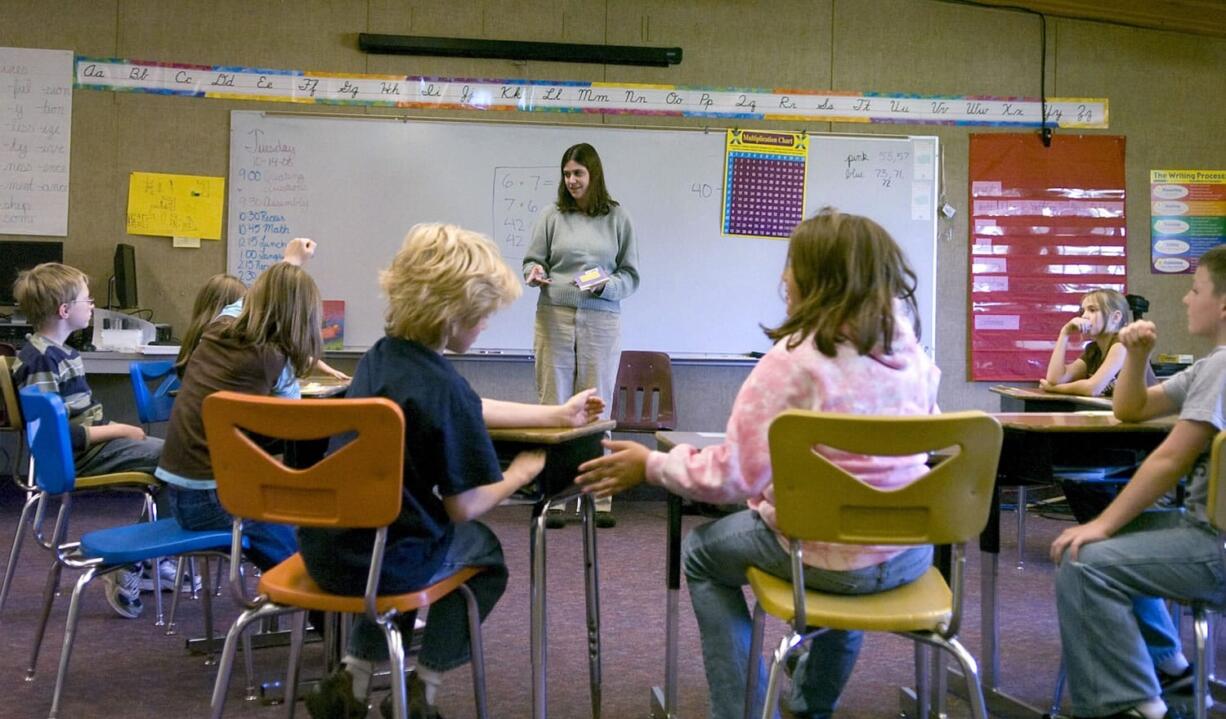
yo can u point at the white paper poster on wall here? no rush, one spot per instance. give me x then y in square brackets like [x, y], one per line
[35, 125]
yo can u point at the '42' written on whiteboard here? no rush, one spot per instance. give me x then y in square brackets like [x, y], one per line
[519, 195]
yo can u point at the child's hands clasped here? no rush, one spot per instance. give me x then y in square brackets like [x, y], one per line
[613, 473]
[584, 407]
[1140, 336]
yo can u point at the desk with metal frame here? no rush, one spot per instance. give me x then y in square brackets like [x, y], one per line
[1033, 399]
[664, 699]
[566, 448]
[1033, 443]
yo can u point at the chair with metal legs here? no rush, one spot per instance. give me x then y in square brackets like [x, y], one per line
[153, 406]
[31, 509]
[818, 501]
[357, 486]
[98, 552]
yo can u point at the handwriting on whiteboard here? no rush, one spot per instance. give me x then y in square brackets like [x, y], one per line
[267, 185]
[35, 122]
[519, 196]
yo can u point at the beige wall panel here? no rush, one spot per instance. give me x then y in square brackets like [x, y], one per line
[531, 20]
[178, 136]
[83, 26]
[775, 43]
[92, 212]
[576, 21]
[934, 48]
[1168, 97]
[273, 34]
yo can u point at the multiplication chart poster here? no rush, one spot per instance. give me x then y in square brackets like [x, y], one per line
[764, 183]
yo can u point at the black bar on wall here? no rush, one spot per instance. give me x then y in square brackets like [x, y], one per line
[515, 50]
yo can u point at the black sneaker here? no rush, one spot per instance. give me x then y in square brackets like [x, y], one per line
[334, 699]
[605, 520]
[1178, 683]
[418, 708]
[555, 518]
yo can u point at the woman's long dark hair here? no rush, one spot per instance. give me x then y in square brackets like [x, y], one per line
[848, 273]
[598, 200]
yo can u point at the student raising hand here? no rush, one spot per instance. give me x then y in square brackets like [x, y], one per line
[299, 250]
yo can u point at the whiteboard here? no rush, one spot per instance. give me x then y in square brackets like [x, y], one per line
[35, 140]
[356, 184]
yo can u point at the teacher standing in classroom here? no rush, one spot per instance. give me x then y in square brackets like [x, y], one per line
[584, 258]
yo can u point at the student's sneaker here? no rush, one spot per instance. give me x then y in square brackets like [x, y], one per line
[605, 519]
[418, 708]
[123, 592]
[1178, 683]
[334, 699]
[555, 518]
[166, 569]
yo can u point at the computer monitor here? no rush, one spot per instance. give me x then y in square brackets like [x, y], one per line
[125, 277]
[16, 256]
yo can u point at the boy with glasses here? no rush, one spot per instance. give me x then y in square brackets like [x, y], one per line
[56, 300]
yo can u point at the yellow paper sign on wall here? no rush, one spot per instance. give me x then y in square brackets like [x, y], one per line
[175, 205]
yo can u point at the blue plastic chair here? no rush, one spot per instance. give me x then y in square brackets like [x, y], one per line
[153, 406]
[102, 551]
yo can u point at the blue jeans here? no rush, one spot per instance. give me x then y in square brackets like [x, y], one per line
[1109, 641]
[268, 544]
[716, 556]
[122, 455]
[445, 643]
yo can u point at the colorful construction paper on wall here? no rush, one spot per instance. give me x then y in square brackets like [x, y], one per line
[1187, 217]
[175, 205]
[1047, 226]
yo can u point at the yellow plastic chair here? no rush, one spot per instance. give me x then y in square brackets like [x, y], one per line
[358, 486]
[817, 501]
[10, 421]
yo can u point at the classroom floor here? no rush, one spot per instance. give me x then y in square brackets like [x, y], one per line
[130, 669]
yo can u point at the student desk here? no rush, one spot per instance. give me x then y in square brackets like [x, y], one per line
[1033, 443]
[1032, 399]
[566, 448]
[664, 699]
[322, 387]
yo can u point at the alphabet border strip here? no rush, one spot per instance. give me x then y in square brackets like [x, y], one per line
[445, 93]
